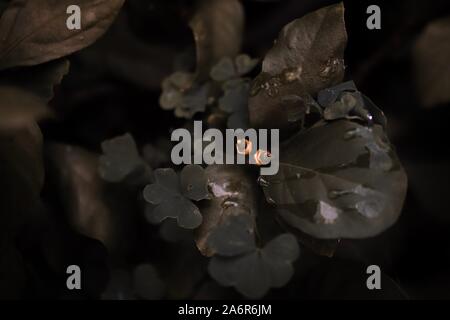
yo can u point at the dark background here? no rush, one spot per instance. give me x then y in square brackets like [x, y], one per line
[104, 96]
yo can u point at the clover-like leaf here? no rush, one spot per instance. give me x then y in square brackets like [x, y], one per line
[254, 273]
[245, 64]
[229, 69]
[235, 102]
[306, 58]
[182, 95]
[171, 195]
[223, 70]
[34, 32]
[338, 180]
[121, 161]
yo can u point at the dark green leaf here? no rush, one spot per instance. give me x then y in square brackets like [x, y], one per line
[182, 95]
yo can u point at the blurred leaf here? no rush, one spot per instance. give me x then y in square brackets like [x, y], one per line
[34, 32]
[19, 108]
[134, 60]
[233, 237]
[185, 271]
[147, 283]
[22, 173]
[338, 180]
[172, 194]
[430, 63]
[227, 69]
[119, 287]
[223, 70]
[158, 153]
[142, 283]
[12, 273]
[307, 57]
[254, 273]
[170, 231]
[182, 95]
[3, 6]
[39, 80]
[218, 27]
[229, 217]
[92, 208]
[245, 64]
[121, 162]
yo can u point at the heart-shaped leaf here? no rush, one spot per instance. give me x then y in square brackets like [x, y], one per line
[254, 273]
[172, 194]
[338, 180]
[307, 57]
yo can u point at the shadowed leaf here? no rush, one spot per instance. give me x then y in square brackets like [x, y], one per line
[93, 207]
[22, 173]
[307, 57]
[34, 32]
[229, 217]
[253, 274]
[121, 162]
[39, 80]
[19, 108]
[171, 196]
[431, 66]
[338, 180]
[217, 27]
